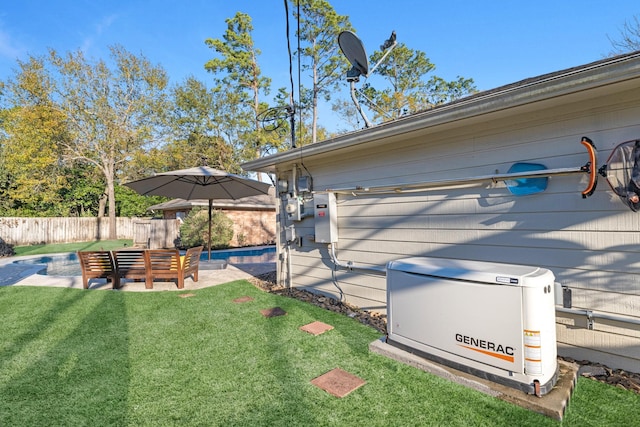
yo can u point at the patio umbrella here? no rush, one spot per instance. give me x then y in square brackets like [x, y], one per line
[200, 182]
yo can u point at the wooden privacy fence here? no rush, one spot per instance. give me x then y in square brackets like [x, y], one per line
[156, 233]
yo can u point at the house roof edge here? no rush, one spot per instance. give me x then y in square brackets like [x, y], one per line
[571, 80]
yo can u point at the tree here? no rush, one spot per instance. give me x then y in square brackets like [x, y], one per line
[629, 40]
[110, 111]
[196, 135]
[35, 180]
[5, 203]
[195, 229]
[348, 113]
[85, 188]
[132, 204]
[278, 120]
[319, 27]
[239, 87]
[408, 92]
[32, 142]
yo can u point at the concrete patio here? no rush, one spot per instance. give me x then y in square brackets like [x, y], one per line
[12, 274]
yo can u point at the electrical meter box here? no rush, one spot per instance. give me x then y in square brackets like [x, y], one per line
[293, 208]
[326, 217]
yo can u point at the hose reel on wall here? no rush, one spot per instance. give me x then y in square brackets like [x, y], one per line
[622, 172]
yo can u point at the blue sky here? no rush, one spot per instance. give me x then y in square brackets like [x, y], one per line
[493, 42]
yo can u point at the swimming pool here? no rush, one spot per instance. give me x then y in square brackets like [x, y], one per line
[68, 265]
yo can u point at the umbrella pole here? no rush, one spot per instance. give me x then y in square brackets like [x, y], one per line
[210, 206]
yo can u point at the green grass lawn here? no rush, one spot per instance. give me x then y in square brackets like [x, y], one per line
[72, 357]
[106, 245]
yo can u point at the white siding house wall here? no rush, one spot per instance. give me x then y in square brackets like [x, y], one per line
[592, 245]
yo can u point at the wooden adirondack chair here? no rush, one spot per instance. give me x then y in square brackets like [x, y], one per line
[191, 263]
[169, 265]
[97, 265]
[131, 264]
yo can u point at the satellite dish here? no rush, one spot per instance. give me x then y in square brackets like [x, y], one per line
[353, 49]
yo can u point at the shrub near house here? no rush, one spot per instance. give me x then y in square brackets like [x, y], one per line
[6, 249]
[195, 229]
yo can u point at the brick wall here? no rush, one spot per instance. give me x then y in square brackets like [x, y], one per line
[250, 227]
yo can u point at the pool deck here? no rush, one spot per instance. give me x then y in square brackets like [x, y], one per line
[26, 275]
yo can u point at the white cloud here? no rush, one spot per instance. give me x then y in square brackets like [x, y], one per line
[105, 23]
[9, 48]
[101, 27]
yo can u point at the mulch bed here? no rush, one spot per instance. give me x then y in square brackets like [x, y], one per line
[267, 282]
[615, 377]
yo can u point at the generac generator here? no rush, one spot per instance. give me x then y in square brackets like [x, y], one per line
[495, 321]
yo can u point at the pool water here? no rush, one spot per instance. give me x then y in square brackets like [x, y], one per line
[68, 265]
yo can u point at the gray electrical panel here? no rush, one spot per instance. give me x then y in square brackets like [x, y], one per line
[304, 184]
[326, 217]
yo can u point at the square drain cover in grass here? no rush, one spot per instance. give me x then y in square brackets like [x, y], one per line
[273, 312]
[316, 328]
[338, 382]
[243, 299]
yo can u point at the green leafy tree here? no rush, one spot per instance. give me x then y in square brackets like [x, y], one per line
[280, 124]
[32, 145]
[348, 113]
[239, 88]
[5, 202]
[407, 89]
[195, 229]
[82, 195]
[111, 110]
[132, 204]
[199, 134]
[319, 54]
